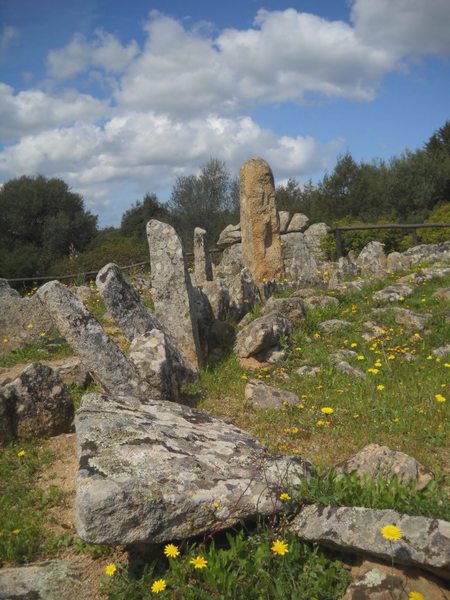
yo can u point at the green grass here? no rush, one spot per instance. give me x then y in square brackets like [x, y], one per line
[37, 351]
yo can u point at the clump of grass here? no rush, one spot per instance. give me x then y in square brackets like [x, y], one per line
[37, 351]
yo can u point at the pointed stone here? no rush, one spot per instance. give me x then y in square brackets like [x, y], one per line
[261, 243]
[202, 257]
[172, 289]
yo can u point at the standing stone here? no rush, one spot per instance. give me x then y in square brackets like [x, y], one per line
[299, 261]
[90, 341]
[314, 238]
[372, 260]
[284, 217]
[202, 257]
[172, 289]
[261, 243]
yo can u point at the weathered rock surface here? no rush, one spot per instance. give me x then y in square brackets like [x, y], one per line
[260, 334]
[89, 340]
[172, 290]
[441, 351]
[292, 308]
[218, 295]
[315, 235]
[7, 290]
[124, 303]
[319, 301]
[427, 274]
[298, 222]
[425, 542]
[151, 474]
[37, 403]
[428, 252]
[348, 369]
[299, 262]
[267, 397]
[261, 243]
[52, 580]
[230, 235]
[202, 258]
[243, 293]
[308, 371]
[284, 218]
[333, 325]
[380, 462]
[342, 354]
[395, 261]
[352, 286]
[372, 260]
[232, 262]
[407, 318]
[443, 293]
[393, 293]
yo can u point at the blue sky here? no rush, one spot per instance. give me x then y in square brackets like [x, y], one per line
[121, 98]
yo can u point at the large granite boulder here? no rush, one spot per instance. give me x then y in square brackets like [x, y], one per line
[230, 235]
[261, 334]
[393, 293]
[424, 543]
[372, 260]
[299, 262]
[268, 397]
[292, 308]
[154, 473]
[315, 236]
[36, 403]
[299, 222]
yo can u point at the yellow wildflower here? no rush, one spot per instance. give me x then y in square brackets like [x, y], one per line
[110, 569]
[30, 326]
[360, 357]
[416, 595]
[380, 387]
[158, 586]
[284, 497]
[279, 547]
[327, 410]
[171, 551]
[21, 453]
[16, 531]
[5, 340]
[353, 345]
[244, 377]
[391, 532]
[440, 397]
[199, 562]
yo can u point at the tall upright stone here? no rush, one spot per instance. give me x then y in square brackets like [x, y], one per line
[90, 341]
[261, 243]
[172, 289]
[202, 258]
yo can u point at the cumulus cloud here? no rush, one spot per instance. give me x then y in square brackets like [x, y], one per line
[104, 52]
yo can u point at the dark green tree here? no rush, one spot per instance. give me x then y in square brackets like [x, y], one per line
[135, 219]
[41, 221]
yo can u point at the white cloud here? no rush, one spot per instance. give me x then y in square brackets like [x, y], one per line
[404, 27]
[33, 110]
[104, 52]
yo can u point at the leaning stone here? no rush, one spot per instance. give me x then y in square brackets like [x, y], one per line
[425, 542]
[268, 397]
[202, 257]
[230, 235]
[348, 369]
[124, 303]
[88, 338]
[172, 289]
[292, 308]
[50, 580]
[153, 473]
[261, 243]
[393, 293]
[333, 325]
[380, 462]
[271, 355]
[284, 217]
[38, 403]
[372, 260]
[298, 222]
[260, 334]
[348, 265]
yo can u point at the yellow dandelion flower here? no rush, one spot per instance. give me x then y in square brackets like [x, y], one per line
[322, 423]
[5, 340]
[391, 532]
[171, 551]
[284, 497]
[372, 370]
[216, 504]
[30, 326]
[300, 406]
[327, 410]
[416, 595]
[21, 453]
[199, 562]
[16, 531]
[447, 365]
[280, 547]
[380, 387]
[353, 345]
[391, 356]
[298, 348]
[360, 357]
[110, 569]
[244, 377]
[159, 585]
[429, 357]
[440, 398]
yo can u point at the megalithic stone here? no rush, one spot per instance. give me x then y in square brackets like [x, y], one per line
[90, 341]
[172, 289]
[202, 257]
[124, 303]
[261, 242]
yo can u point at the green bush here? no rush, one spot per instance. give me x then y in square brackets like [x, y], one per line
[441, 214]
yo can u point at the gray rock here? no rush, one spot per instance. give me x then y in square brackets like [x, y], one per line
[315, 235]
[7, 290]
[348, 369]
[52, 580]
[230, 235]
[268, 397]
[343, 354]
[393, 293]
[348, 265]
[36, 403]
[303, 293]
[442, 351]
[292, 308]
[333, 325]
[218, 295]
[372, 260]
[425, 542]
[407, 318]
[425, 275]
[202, 257]
[308, 371]
[380, 462]
[243, 293]
[320, 301]
[151, 473]
[371, 330]
[74, 371]
[124, 303]
[232, 262]
[284, 218]
[300, 265]
[271, 355]
[88, 338]
[261, 334]
[428, 253]
[395, 261]
[352, 286]
[172, 290]
[83, 293]
[298, 222]
[260, 228]
[443, 293]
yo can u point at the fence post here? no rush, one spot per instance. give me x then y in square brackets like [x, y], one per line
[415, 237]
[338, 236]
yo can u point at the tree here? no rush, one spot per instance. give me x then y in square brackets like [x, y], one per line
[41, 221]
[135, 219]
[208, 200]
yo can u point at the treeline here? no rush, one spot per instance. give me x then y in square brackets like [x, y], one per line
[44, 227]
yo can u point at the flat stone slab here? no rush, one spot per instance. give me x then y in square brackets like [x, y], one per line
[153, 473]
[424, 543]
[267, 397]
